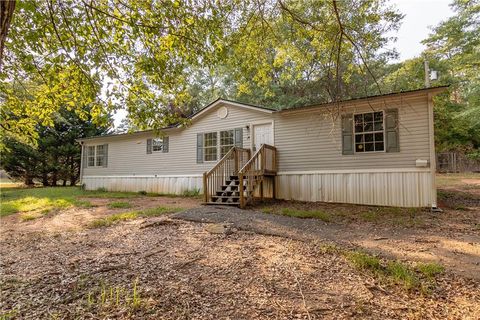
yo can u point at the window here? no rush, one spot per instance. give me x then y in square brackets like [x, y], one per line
[227, 141]
[369, 132]
[97, 155]
[210, 146]
[100, 156]
[91, 156]
[157, 144]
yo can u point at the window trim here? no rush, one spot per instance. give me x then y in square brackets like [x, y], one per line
[373, 132]
[95, 156]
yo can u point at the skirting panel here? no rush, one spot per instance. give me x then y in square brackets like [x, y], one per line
[152, 184]
[401, 189]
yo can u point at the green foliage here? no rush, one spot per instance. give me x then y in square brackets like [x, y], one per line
[316, 214]
[15, 200]
[119, 205]
[195, 192]
[364, 261]
[402, 274]
[421, 278]
[108, 298]
[114, 218]
[453, 49]
[162, 60]
[56, 155]
[430, 270]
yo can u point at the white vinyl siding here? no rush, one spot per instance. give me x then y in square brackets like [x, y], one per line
[306, 141]
[127, 153]
[312, 141]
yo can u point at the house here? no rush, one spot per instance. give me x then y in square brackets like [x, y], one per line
[377, 150]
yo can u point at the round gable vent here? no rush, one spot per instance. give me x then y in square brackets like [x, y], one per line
[222, 112]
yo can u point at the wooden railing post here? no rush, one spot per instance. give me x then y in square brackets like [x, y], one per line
[205, 187]
[240, 188]
[236, 159]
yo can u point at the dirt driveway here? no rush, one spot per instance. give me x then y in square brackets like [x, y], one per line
[260, 266]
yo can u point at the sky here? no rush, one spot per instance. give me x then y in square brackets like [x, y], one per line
[420, 15]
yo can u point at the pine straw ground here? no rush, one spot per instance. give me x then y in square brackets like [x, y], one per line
[156, 268]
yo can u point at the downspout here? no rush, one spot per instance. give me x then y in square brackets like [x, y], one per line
[433, 160]
[81, 162]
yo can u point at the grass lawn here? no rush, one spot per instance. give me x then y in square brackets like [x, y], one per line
[43, 200]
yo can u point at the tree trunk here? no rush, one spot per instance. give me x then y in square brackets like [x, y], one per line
[28, 179]
[64, 183]
[6, 12]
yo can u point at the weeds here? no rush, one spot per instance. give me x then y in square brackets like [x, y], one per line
[113, 297]
[114, 218]
[421, 278]
[195, 192]
[317, 214]
[119, 205]
[364, 261]
[430, 270]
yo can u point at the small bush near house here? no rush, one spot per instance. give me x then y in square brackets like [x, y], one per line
[142, 192]
[195, 192]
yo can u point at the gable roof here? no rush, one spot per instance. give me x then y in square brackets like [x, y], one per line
[192, 117]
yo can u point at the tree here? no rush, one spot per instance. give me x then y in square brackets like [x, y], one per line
[147, 56]
[56, 154]
[454, 51]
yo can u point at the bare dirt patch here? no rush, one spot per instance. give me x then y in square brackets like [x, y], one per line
[182, 271]
[78, 218]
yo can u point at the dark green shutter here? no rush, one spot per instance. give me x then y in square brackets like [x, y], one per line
[392, 143]
[239, 137]
[105, 153]
[347, 134]
[149, 146]
[165, 144]
[199, 147]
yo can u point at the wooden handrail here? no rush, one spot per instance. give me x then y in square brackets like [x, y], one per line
[264, 160]
[215, 177]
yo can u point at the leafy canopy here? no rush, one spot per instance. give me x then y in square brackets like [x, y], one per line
[161, 59]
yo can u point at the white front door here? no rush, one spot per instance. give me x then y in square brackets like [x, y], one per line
[262, 134]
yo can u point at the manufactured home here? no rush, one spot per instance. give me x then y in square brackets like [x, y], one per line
[376, 150]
